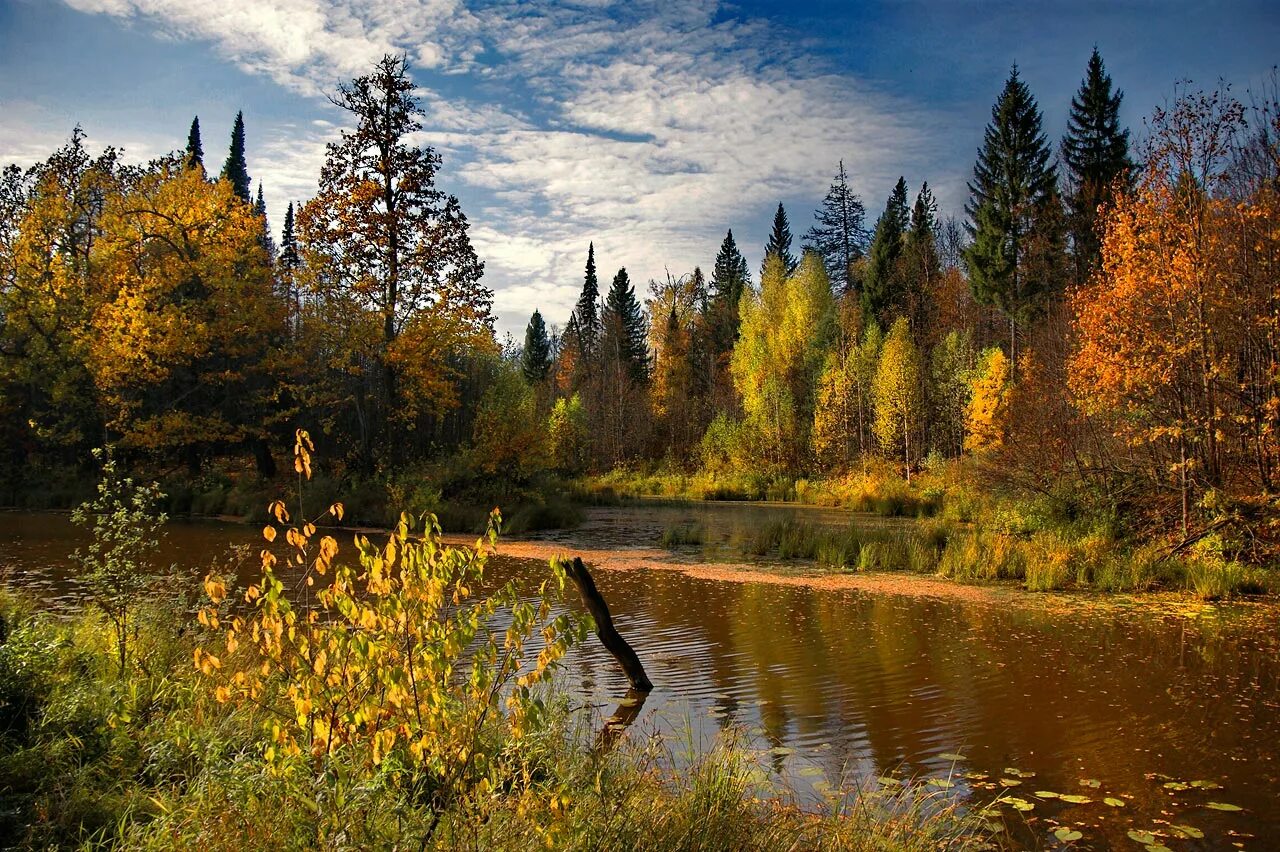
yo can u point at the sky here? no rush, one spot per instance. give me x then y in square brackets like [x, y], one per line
[646, 127]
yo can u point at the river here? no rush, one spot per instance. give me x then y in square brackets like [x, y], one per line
[986, 693]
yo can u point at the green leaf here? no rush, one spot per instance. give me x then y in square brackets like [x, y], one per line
[1143, 837]
[1187, 832]
[1010, 782]
[1223, 806]
[1113, 802]
[1075, 799]
[1092, 783]
[952, 757]
[1046, 794]
[941, 783]
[1066, 835]
[1206, 785]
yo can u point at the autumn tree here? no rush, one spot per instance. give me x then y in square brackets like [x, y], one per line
[780, 241]
[509, 438]
[389, 261]
[730, 279]
[951, 367]
[236, 169]
[1095, 154]
[676, 307]
[921, 264]
[1012, 181]
[184, 328]
[840, 235]
[897, 394]
[1162, 327]
[987, 418]
[786, 330]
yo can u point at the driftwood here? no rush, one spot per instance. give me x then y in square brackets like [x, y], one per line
[627, 711]
[609, 636]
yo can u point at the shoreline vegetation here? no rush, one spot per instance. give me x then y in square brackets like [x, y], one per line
[367, 720]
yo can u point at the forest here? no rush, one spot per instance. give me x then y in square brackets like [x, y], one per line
[1096, 338]
[1074, 386]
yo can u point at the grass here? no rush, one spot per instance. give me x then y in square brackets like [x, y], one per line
[153, 761]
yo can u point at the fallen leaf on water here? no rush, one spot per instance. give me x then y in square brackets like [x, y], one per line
[1046, 794]
[951, 756]
[1187, 832]
[1143, 837]
[1010, 782]
[1090, 782]
[1113, 802]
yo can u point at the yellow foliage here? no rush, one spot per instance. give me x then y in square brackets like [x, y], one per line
[987, 422]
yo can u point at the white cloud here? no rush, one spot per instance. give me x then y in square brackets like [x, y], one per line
[649, 128]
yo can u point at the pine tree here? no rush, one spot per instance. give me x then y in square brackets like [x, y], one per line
[260, 210]
[923, 266]
[623, 339]
[289, 258]
[587, 311]
[780, 241]
[535, 360]
[883, 291]
[1011, 179]
[840, 236]
[1095, 151]
[195, 150]
[729, 280]
[235, 168]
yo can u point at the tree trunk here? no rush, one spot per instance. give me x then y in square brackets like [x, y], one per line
[609, 636]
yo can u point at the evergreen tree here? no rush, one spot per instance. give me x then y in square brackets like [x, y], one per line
[195, 150]
[883, 290]
[623, 339]
[1095, 152]
[1013, 176]
[729, 280]
[923, 265]
[840, 235]
[235, 169]
[587, 310]
[289, 258]
[780, 241]
[535, 360]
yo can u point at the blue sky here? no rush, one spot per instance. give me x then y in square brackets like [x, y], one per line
[648, 127]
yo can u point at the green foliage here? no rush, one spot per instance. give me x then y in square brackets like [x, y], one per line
[729, 281]
[623, 346]
[535, 357]
[235, 169]
[116, 567]
[779, 243]
[509, 438]
[885, 285]
[567, 435]
[195, 150]
[1011, 179]
[839, 237]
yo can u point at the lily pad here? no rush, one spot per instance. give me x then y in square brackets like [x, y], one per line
[1010, 782]
[1113, 802]
[1176, 785]
[951, 756]
[1018, 773]
[1075, 799]
[1188, 832]
[941, 783]
[1223, 806]
[811, 771]
[1066, 835]
[1158, 847]
[887, 781]
[1206, 785]
[1143, 837]
[782, 751]
[1020, 804]
[1047, 794]
[1092, 783]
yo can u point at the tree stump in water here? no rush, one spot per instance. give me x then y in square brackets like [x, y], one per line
[609, 636]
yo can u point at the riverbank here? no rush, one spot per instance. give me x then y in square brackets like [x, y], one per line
[962, 530]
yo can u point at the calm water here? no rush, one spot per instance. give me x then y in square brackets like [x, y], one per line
[843, 686]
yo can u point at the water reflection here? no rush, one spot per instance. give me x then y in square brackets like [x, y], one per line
[838, 685]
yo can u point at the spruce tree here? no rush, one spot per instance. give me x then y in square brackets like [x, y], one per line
[260, 208]
[195, 150]
[624, 335]
[235, 169]
[587, 310]
[923, 265]
[535, 360]
[1012, 177]
[883, 290]
[840, 236]
[1095, 151]
[780, 241]
[289, 257]
[729, 280]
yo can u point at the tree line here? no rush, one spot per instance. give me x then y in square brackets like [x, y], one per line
[1100, 325]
